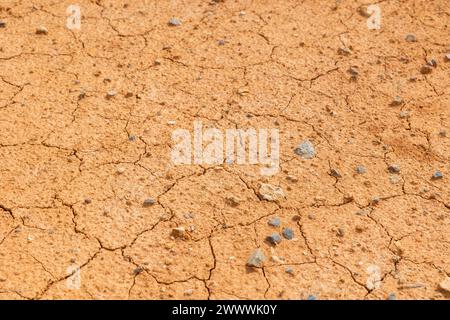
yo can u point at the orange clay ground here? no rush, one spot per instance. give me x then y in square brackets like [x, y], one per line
[86, 118]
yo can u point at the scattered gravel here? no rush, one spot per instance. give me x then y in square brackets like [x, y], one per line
[410, 38]
[437, 175]
[394, 168]
[41, 30]
[256, 259]
[149, 202]
[360, 169]
[305, 150]
[288, 233]
[274, 222]
[270, 192]
[274, 238]
[174, 22]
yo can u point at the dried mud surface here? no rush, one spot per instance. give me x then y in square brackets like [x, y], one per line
[75, 167]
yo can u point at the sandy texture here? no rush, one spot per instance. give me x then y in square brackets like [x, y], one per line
[86, 118]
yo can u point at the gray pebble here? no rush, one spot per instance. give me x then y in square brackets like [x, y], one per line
[437, 175]
[174, 22]
[305, 150]
[131, 137]
[138, 270]
[256, 259]
[311, 297]
[394, 168]
[289, 270]
[361, 169]
[392, 296]
[221, 42]
[288, 233]
[410, 38]
[149, 201]
[274, 222]
[274, 238]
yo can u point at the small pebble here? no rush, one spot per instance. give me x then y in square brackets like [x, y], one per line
[426, 69]
[305, 150]
[447, 57]
[445, 284]
[437, 175]
[174, 22]
[353, 71]
[256, 259]
[403, 114]
[221, 42]
[442, 133]
[131, 137]
[396, 101]
[274, 238]
[362, 10]
[87, 200]
[189, 292]
[111, 94]
[394, 168]
[120, 170]
[344, 51]
[410, 38]
[340, 232]
[149, 201]
[270, 192]
[178, 232]
[288, 233]
[138, 270]
[232, 201]
[41, 30]
[274, 222]
[311, 297]
[2, 24]
[392, 296]
[289, 270]
[335, 173]
[432, 62]
[361, 169]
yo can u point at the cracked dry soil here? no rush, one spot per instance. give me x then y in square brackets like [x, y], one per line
[86, 118]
